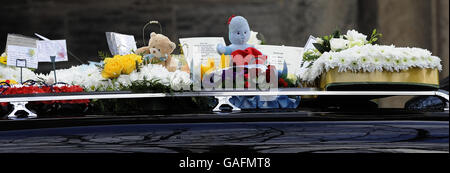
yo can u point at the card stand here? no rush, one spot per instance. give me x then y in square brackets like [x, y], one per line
[20, 106]
[224, 100]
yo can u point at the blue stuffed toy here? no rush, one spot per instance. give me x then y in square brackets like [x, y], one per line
[239, 34]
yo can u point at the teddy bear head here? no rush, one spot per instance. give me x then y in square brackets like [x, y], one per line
[160, 46]
[239, 30]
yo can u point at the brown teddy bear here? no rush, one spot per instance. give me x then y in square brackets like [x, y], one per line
[161, 48]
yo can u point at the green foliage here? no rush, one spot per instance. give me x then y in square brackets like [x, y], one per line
[326, 46]
[103, 55]
[152, 86]
[374, 37]
[310, 56]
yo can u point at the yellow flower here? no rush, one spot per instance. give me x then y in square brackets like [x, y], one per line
[3, 60]
[224, 61]
[209, 67]
[107, 60]
[126, 64]
[137, 58]
[291, 77]
[112, 69]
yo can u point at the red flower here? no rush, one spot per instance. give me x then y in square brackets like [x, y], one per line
[45, 89]
[282, 82]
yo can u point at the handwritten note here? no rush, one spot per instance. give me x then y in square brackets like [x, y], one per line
[57, 48]
[277, 55]
[22, 56]
[120, 44]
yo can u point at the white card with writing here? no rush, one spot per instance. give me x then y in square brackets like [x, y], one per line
[277, 55]
[197, 50]
[22, 56]
[201, 48]
[48, 48]
[120, 44]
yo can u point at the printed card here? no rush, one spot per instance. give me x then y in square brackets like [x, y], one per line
[278, 55]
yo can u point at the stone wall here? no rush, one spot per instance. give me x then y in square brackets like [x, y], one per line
[413, 23]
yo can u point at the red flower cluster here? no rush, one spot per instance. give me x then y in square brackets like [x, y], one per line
[240, 57]
[282, 83]
[45, 89]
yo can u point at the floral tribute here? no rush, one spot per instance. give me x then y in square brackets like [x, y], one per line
[357, 53]
[35, 89]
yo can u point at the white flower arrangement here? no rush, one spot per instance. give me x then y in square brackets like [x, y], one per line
[90, 78]
[13, 73]
[355, 52]
[87, 76]
[370, 58]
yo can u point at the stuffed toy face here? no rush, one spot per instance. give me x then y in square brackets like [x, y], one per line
[239, 34]
[239, 31]
[160, 46]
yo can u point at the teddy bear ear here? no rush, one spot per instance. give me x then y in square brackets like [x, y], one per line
[152, 34]
[172, 45]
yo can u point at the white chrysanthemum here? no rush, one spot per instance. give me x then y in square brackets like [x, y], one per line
[12, 73]
[86, 76]
[180, 80]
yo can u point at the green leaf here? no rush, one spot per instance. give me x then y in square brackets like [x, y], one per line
[336, 34]
[319, 47]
